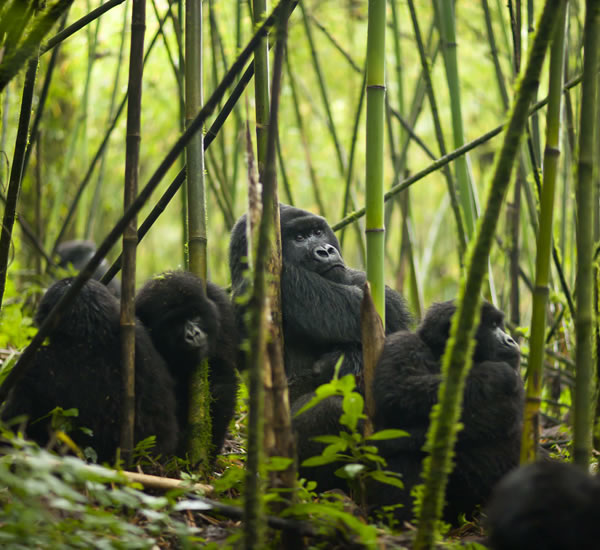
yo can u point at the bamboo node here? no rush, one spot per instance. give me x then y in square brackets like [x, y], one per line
[541, 290]
[552, 151]
[376, 87]
[202, 240]
[375, 230]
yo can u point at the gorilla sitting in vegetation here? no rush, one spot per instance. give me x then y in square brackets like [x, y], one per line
[546, 506]
[321, 300]
[188, 324]
[77, 254]
[80, 367]
[405, 387]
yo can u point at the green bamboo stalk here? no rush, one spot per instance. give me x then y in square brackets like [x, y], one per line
[132, 156]
[16, 172]
[375, 230]
[200, 428]
[448, 34]
[531, 429]
[584, 321]
[457, 359]
[257, 327]
[261, 88]
[267, 264]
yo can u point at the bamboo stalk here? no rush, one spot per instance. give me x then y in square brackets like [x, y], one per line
[584, 296]
[531, 429]
[375, 231]
[16, 173]
[261, 89]
[200, 429]
[132, 157]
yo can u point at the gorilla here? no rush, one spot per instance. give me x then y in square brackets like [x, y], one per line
[546, 506]
[405, 387]
[321, 300]
[78, 253]
[188, 324]
[80, 367]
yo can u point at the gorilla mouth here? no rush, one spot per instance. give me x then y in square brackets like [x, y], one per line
[331, 268]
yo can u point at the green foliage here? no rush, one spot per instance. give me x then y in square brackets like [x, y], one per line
[361, 459]
[52, 502]
[16, 324]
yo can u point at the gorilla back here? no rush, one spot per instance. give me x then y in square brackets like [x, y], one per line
[80, 368]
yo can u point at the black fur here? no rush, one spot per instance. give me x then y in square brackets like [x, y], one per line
[188, 325]
[78, 253]
[546, 506]
[321, 299]
[405, 387]
[80, 367]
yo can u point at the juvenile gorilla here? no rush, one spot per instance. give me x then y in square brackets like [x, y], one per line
[188, 325]
[546, 506]
[405, 387]
[80, 368]
[321, 299]
[78, 253]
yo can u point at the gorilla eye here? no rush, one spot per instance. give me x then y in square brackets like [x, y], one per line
[318, 232]
[299, 237]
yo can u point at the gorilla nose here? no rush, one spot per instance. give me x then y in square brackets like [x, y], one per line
[509, 341]
[324, 252]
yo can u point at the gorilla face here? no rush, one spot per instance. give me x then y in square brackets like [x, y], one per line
[308, 242]
[492, 341]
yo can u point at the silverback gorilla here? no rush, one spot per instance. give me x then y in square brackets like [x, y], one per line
[321, 299]
[188, 325]
[405, 387]
[80, 368]
[548, 505]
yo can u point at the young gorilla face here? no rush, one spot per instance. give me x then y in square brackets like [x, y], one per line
[181, 320]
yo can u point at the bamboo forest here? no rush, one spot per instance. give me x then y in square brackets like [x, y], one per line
[300, 274]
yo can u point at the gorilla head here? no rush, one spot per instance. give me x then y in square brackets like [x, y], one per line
[182, 321]
[492, 343]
